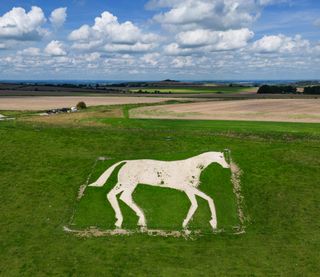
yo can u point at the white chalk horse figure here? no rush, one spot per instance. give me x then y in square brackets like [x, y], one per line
[183, 175]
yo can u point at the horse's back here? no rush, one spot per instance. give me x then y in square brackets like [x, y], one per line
[159, 173]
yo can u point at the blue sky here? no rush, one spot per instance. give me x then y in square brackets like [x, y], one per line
[156, 39]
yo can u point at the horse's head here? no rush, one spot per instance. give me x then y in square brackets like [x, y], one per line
[222, 159]
[218, 157]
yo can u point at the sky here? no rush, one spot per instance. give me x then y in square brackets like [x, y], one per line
[159, 39]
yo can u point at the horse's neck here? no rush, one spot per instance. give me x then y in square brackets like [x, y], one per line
[203, 161]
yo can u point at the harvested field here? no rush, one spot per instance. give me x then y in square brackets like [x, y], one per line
[286, 110]
[43, 103]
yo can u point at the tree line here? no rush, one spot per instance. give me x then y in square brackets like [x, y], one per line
[312, 90]
[266, 89]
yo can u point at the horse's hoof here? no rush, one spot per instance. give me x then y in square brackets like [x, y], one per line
[118, 224]
[187, 232]
[142, 223]
[213, 224]
[184, 225]
[143, 229]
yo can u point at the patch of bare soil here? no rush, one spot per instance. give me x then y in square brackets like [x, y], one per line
[287, 110]
[95, 232]
[236, 181]
[53, 102]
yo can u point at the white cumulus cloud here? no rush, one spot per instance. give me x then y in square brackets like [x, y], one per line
[151, 59]
[18, 24]
[30, 51]
[216, 40]
[55, 48]
[173, 49]
[280, 43]
[58, 17]
[271, 2]
[108, 34]
[208, 14]
[199, 14]
[204, 41]
[181, 62]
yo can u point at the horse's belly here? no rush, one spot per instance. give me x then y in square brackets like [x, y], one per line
[155, 180]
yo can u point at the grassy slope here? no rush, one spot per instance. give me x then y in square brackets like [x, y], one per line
[42, 167]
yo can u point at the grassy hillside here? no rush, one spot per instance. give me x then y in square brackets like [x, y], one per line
[42, 167]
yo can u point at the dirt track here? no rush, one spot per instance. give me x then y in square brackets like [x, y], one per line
[52, 102]
[288, 110]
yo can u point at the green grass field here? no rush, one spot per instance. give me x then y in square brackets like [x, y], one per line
[43, 165]
[195, 90]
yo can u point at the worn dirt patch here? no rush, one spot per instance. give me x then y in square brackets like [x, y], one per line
[94, 232]
[52, 102]
[287, 110]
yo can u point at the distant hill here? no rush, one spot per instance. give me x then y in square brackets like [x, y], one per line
[169, 81]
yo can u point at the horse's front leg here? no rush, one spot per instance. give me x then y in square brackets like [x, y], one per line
[193, 208]
[213, 221]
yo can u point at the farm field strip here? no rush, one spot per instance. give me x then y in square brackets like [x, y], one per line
[51, 102]
[287, 110]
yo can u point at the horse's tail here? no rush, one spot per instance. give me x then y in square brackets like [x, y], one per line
[105, 176]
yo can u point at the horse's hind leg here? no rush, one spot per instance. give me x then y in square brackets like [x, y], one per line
[112, 197]
[126, 197]
[193, 208]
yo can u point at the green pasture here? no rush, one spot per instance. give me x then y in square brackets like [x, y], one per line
[43, 165]
[194, 90]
